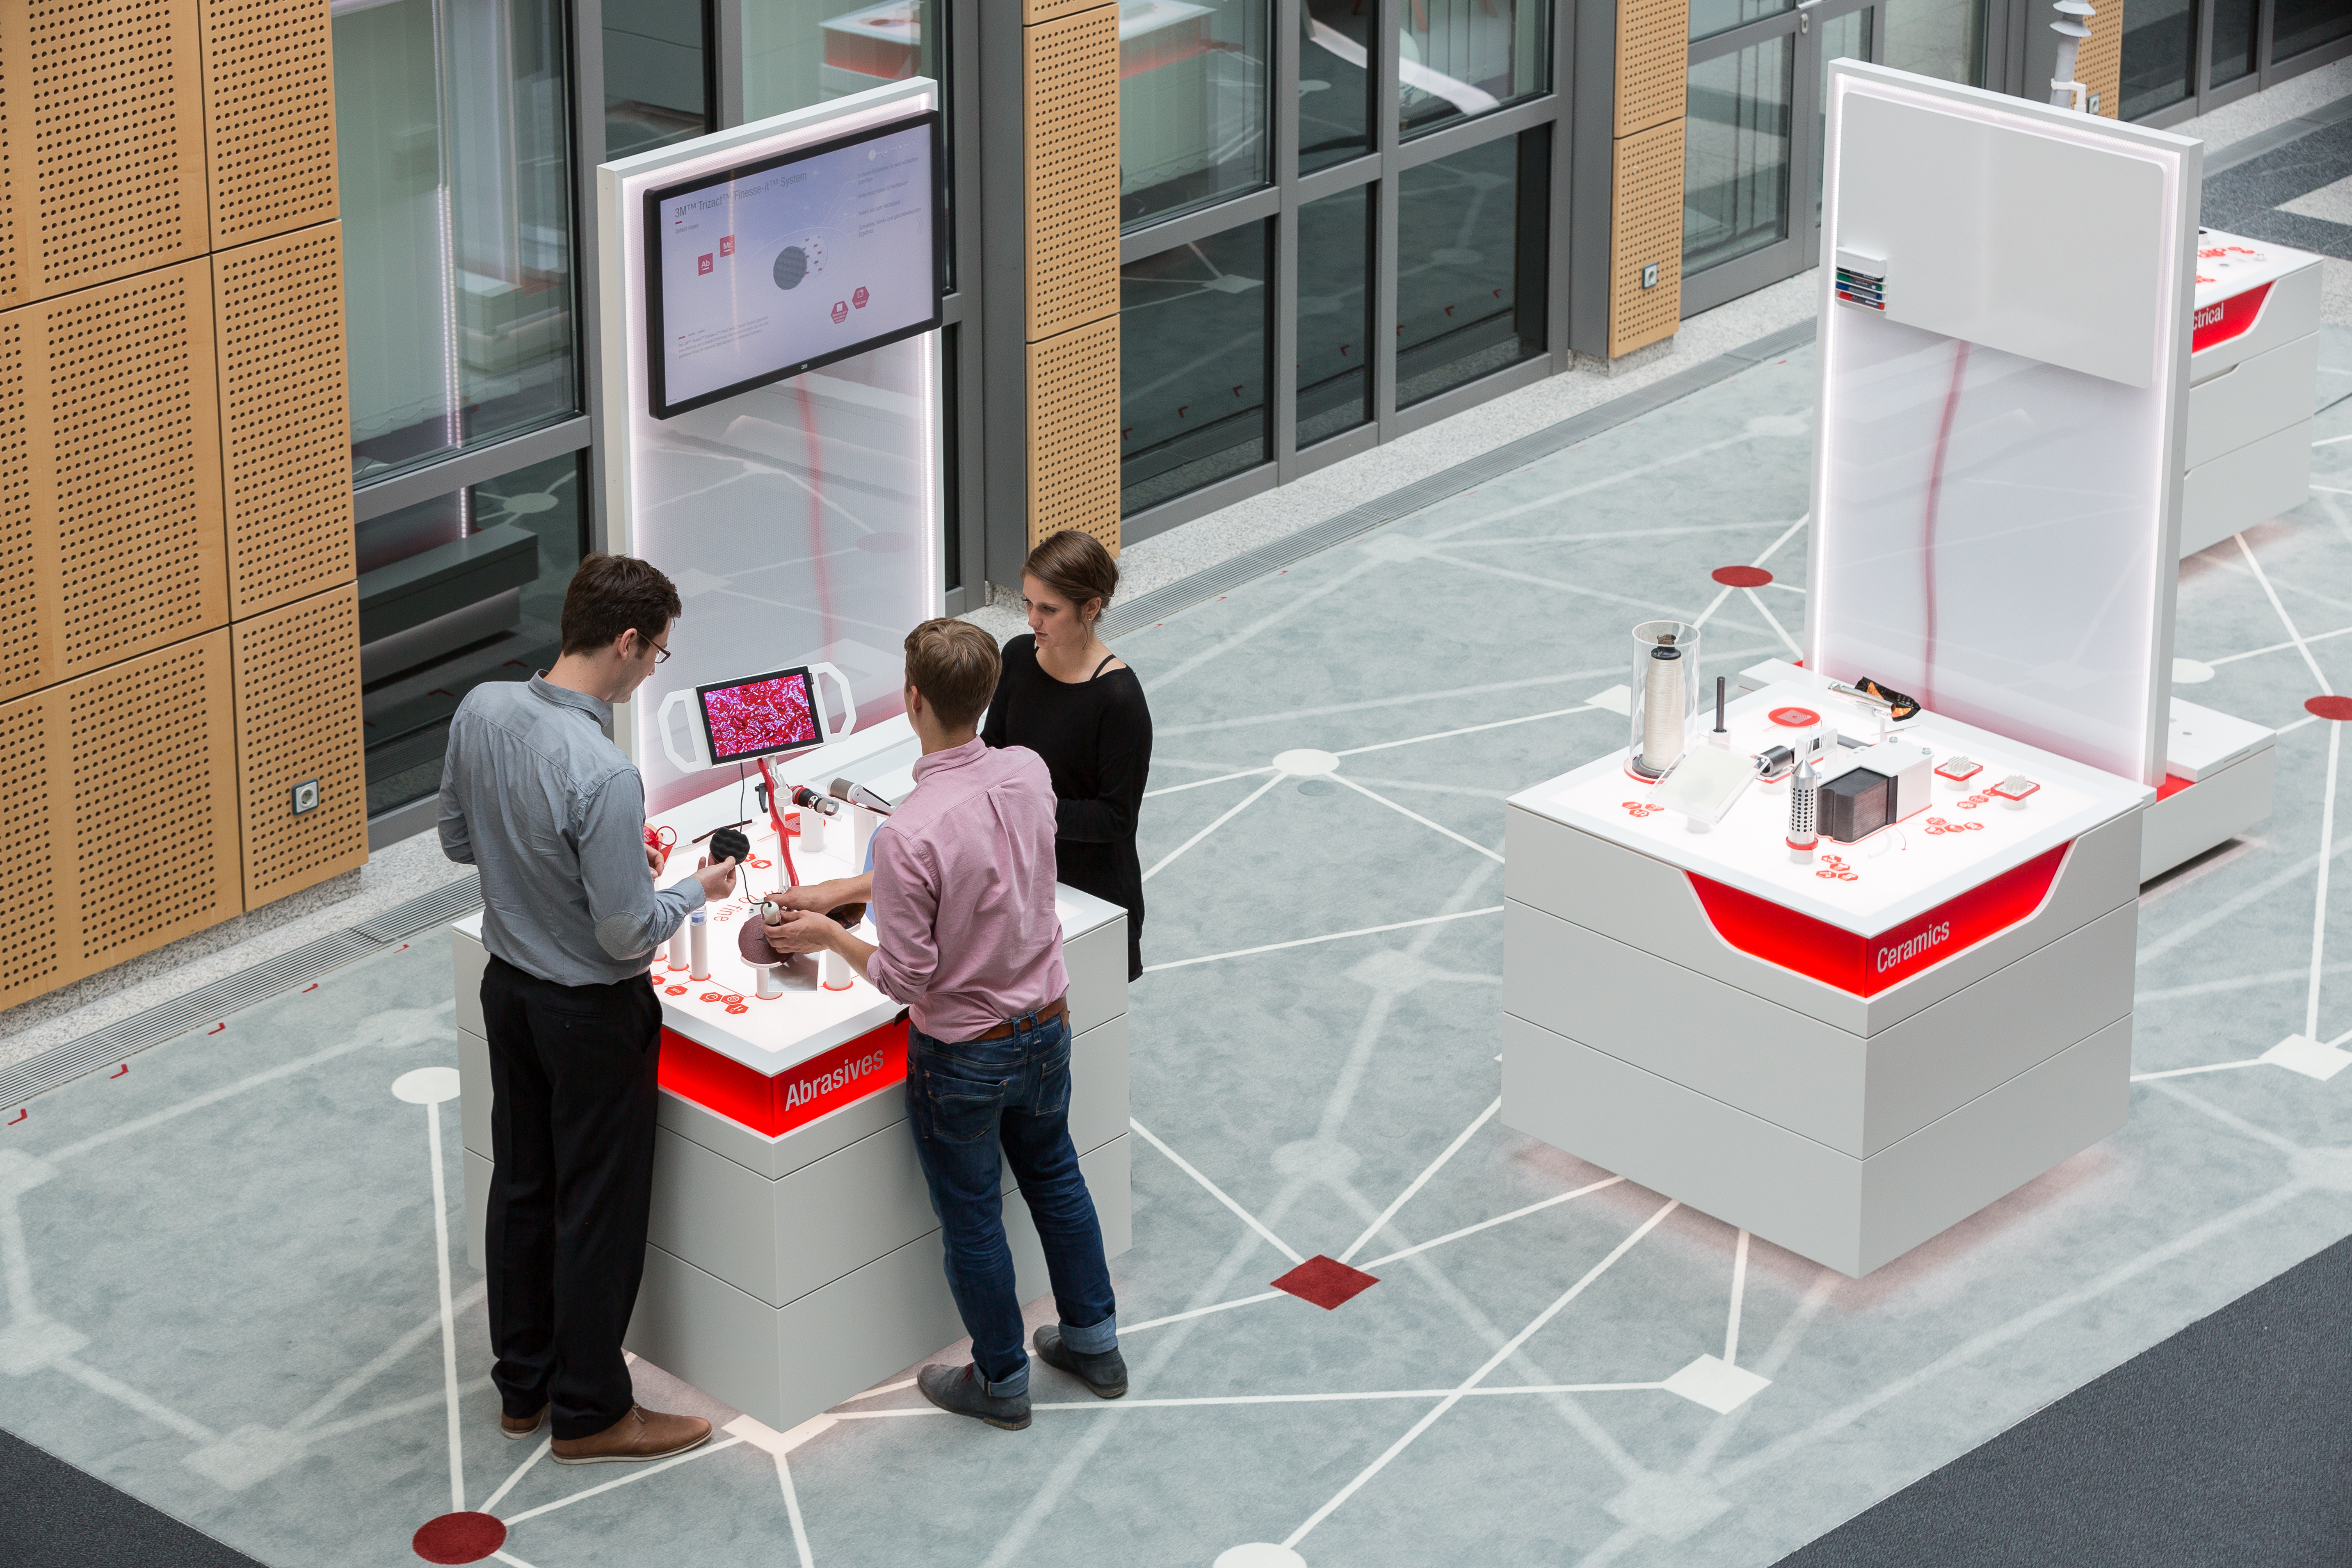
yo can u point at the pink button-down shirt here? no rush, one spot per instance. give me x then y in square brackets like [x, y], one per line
[963, 892]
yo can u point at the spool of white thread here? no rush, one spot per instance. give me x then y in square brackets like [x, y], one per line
[699, 945]
[1664, 710]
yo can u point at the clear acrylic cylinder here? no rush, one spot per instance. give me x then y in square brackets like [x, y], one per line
[1666, 683]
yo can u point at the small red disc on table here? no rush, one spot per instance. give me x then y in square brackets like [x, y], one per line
[1742, 577]
[1794, 718]
[2337, 708]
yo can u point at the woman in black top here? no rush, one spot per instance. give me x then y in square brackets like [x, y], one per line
[1066, 697]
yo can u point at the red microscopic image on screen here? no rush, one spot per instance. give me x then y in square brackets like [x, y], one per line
[764, 716]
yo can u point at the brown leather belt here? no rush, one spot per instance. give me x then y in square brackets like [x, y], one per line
[1045, 1015]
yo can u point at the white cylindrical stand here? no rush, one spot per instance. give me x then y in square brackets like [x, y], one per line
[699, 945]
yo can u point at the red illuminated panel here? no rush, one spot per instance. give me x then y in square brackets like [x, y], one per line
[2227, 319]
[2173, 784]
[760, 716]
[1866, 965]
[844, 1075]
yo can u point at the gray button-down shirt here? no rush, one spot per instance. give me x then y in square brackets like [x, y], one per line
[534, 792]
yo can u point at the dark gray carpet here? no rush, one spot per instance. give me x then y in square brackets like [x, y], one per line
[2230, 1442]
[55, 1516]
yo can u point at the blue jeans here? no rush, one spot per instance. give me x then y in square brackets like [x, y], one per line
[966, 1102]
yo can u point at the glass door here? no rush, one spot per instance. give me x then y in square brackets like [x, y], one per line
[1753, 144]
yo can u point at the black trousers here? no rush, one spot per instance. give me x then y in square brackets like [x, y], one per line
[571, 1128]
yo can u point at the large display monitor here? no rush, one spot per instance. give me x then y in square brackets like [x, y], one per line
[773, 267]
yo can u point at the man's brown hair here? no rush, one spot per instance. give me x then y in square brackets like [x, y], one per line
[954, 664]
[614, 594]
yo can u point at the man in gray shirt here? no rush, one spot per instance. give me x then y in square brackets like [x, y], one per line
[535, 793]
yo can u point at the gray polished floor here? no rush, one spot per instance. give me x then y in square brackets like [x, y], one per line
[224, 1267]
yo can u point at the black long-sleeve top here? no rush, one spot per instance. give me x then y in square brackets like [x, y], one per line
[1095, 739]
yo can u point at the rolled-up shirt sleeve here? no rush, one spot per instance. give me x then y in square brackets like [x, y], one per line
[905, 900]
[631, 916]
[456, 838]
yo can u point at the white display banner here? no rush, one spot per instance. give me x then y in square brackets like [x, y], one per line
[2006, 294]
[801, 520]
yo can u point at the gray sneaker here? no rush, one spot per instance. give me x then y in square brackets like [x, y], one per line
[1106, 1374]
[958, 1389]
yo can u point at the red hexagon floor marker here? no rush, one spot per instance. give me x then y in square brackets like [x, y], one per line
[2337, 708]
[1741, 576]
[459, 1538]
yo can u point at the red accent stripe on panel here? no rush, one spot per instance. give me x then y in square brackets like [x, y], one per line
[2173, 784]
[867, 1065]
[2227, 319]
[1866, 965]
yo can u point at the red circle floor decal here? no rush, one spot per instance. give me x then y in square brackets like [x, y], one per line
[1742, 577]
[2337, 708]
[459, 1538]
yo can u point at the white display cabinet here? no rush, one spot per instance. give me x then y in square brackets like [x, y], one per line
[2253, 369]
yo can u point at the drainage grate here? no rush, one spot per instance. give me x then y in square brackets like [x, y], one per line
[176, 1015]
[1275, 554]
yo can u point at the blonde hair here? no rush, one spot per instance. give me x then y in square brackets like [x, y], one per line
[954, 664]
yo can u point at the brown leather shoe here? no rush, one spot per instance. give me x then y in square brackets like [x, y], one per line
[642, 1434]
[520, 1426]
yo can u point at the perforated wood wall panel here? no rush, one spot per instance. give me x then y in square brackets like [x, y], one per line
[1073, 386]
[298, 718]
[1070, 98]
[1653, 63]
[152, 754]
[1036, 11]
[269, 117]
[36, 922]
[24, 639]
[105, 140]
[1645, 228]
[122, 439]
[2099, 65]
[285, 417]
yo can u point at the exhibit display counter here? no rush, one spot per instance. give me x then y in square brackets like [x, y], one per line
[2253, 364]
[1846, 1053]
[792, 1256]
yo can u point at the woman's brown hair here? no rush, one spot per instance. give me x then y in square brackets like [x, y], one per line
[1076, 566]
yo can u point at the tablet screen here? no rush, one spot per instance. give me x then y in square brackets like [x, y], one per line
[760, 716]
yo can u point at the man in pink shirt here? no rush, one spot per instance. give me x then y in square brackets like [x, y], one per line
[963, 904]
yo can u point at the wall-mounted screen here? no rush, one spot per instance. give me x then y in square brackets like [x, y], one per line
[770, 268]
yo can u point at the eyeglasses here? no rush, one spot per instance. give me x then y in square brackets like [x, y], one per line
[661, 652]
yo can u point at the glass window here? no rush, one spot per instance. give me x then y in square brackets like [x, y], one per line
[414, 676]
[1708, 17]
[1458, 57]
[1845, 37]
[1335, 82]
[2159, 39]
[800, 52]
[455, 161]
[1942, 39]
[1334, 314]
[1470, 264]
[1735, 153]
[2297, 25]
[1193, 365]
[656, 79]
[2234, 23]
[1192, 103]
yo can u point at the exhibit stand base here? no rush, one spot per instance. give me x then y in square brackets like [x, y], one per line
[1845, 1055]
[787, 1271]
